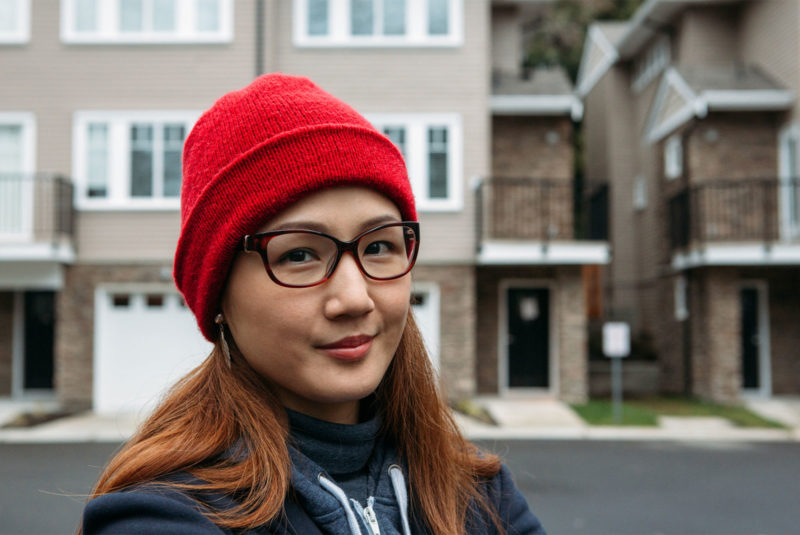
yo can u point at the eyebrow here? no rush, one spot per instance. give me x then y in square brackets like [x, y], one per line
[322, 227]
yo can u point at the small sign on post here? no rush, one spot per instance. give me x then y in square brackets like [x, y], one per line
[616, 346]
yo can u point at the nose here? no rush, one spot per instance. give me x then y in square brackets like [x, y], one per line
[348, 291]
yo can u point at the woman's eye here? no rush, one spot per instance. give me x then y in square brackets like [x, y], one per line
[297, 256]
[378, 247]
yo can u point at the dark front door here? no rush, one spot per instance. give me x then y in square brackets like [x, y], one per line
[750, 338]
[528, 337]
[39, 322]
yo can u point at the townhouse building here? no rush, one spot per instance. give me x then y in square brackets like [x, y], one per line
[691, 115]
[102, 95]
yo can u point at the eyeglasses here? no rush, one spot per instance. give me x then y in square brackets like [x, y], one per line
[303, 258]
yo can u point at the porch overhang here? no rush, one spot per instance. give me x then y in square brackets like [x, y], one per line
[537, 105]
[41, 275]
[525, 253]
[744, 254]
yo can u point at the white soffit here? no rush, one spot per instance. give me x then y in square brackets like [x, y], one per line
[537, 105]
[739, 255]
[699, 104]
[541, 253]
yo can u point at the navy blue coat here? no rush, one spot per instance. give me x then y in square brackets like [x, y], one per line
[159, 509]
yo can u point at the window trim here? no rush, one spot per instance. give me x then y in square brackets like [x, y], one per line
[108, 31]
[27, 120]
[673, 157]
[23, 32]
[118, 186]
[416, 146]
[788, 194]
[653, 61]
[339, 25]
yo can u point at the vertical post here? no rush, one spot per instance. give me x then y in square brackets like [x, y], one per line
[616, 388]
[616, 346]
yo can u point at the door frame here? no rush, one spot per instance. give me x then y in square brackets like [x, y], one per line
[434, 295]
[764, 351]
[18, 390]
[502, 337]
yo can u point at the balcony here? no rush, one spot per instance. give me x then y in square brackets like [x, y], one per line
[36, 228]
[525, 221]
[735, 222]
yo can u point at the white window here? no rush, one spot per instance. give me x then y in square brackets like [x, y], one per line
[789, 184]
[639, 193]
[146, 21]
[17, 164]
[425, 302]
[378, 22]
[680, 298]
[15, 21]
[673, 157]
[431, 146]
[648, 65]
[129, 159]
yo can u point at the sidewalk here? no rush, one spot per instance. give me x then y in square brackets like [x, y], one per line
[536, 418]
[552, 419]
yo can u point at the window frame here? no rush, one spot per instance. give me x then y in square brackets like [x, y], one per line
[27, 122]
[416, 26]
[118, 185]
[789, 181]
[673, 157]
[109, 32]
[416, 126]
[653, 61]
[22, 33]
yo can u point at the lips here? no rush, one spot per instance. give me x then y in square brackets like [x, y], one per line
[349, 348]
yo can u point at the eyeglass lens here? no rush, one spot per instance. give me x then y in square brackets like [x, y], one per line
[304, 258]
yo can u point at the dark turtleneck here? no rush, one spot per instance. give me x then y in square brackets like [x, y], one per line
[342, 450]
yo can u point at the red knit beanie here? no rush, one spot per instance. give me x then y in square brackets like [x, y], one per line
[254, 153]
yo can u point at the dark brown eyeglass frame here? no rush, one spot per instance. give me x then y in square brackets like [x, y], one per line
[257, 243]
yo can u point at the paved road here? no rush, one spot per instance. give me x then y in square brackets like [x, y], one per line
[650, 488]
[576, 487]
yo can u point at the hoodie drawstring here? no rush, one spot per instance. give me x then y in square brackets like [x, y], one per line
[368, 514]
[339, 494]
[401, 495]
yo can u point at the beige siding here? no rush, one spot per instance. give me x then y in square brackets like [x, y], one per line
[413, 80]
[769, 38]
[506, 40]
[53, 80]
[708, 35]
[127, 236]
[673, 103]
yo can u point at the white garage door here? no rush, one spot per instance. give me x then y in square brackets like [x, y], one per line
[145, 339]
[425, 304]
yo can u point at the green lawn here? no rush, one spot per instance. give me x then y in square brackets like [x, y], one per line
[645, 412]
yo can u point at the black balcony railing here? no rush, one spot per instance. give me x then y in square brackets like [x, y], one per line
[539, 210]
[35, 208]
[733, 211]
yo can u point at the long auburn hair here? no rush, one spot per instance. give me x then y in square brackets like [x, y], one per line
[214, 408]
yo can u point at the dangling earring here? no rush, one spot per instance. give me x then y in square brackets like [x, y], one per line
[220, 320]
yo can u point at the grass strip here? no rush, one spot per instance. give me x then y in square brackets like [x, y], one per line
[645, 412]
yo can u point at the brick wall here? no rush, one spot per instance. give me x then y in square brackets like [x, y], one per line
[716, 334]
[457, 325]
[733, 145]
[74, 346]
[6, 341]
[534, 147]
[567, 313]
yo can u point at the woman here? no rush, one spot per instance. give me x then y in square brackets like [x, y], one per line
[317, 411]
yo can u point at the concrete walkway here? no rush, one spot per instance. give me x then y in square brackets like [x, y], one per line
[530, 418]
